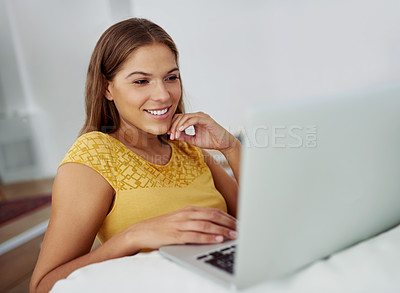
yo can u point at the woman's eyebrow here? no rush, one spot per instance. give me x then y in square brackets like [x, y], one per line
[172, 70]
[138, 72]
[149, 74]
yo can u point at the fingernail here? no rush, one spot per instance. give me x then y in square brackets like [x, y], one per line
[177, 134]
[181, 128]
[171, 137]
[233, 234]
[219, 238]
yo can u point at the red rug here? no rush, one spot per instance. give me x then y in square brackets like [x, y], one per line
[10, 210]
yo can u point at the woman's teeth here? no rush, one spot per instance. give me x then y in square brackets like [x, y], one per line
[158, 112]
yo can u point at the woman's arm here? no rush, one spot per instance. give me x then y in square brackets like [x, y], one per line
[224, 183]
[81, 200]
[210, 135]
[233, 155]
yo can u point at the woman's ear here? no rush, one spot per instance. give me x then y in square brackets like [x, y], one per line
[107, 92]
[108, 95]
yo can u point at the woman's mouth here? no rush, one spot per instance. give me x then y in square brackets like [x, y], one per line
[160, 114]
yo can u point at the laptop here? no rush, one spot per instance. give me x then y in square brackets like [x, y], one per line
[317, 177]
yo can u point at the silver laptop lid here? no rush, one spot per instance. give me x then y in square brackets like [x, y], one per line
[316, 177]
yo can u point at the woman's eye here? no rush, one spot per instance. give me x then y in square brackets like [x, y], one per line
[140, 81]
[172, 78]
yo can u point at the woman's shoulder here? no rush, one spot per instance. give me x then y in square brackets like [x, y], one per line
[95, 150]
[93, 139]
[95, 135]
[90, 146]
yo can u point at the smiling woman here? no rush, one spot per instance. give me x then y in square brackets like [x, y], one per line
[146, 99]
[109, 58]
[134, 178]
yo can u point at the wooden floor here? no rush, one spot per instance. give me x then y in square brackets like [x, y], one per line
[16, 266]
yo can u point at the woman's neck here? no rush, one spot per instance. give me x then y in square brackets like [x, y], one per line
[146, 145]
[137, 138]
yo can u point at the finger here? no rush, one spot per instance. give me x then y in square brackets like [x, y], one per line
[190, 121]
[211, 214]
[218, 212]
[177, 127]
[184, 124]
[208, 228]
[189, 237]
[200, 124]
[218, 137]
[174, 124]
[174, 118]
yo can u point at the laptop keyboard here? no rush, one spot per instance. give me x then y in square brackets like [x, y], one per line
[222, 258]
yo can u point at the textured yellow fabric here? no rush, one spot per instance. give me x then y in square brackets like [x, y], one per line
[145, 190]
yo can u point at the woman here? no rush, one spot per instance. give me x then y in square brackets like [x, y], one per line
[134, 177]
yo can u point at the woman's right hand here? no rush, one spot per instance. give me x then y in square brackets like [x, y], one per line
[196, 225]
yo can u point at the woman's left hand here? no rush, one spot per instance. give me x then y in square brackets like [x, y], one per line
[208, 133]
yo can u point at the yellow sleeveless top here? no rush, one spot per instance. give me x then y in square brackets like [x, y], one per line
[145, 190]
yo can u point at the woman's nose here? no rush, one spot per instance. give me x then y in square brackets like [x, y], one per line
[160, 92]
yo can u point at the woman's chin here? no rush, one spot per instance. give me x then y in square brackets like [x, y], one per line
[158, 130]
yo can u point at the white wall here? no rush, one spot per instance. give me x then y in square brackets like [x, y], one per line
[11, 85]
[233, 54]
[238, 53]
[53, 41]
[17, 150]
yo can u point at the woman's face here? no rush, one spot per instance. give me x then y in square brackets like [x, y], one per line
[146, 91]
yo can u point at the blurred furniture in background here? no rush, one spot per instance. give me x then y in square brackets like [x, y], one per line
[2, 195]
[21, 237]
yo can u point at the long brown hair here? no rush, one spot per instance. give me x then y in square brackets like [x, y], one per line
[112, 49]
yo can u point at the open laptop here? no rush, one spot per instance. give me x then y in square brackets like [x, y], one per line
[317, 177]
